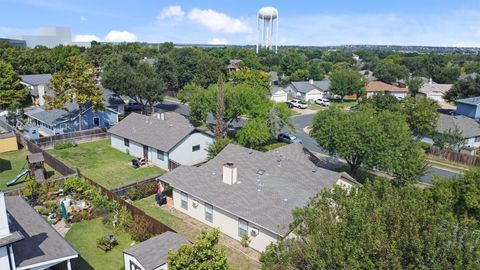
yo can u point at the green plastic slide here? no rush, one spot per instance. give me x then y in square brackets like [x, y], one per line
[20, 175]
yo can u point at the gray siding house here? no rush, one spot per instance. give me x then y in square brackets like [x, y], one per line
[309, 90]
[470, 107]
[165, 139]
[244, 192]
[38, 87]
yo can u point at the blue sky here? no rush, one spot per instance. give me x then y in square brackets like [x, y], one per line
[402, 22]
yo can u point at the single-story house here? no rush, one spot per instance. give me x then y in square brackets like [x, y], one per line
[469, 128]
[472, 76]
[27, 241]
[434, 90]
[247, 193]
[163, 139]
[309, 90]
[153, 253]
[376, 87]
[278, 94]
[38, 87]
[470, 107]
[368, 74]
[234, 65]
[56, 121]
[8, 141]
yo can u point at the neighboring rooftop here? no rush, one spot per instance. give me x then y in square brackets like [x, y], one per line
[153, 253]
[473, 75]
[471, 101]
[55, 116]
[468, 126]
[435, 88]
[41, 242]
[379, 86]
[273, 75]
[276, 88]
[269, 186]
[152, 131]
[305, 86]
[36, 79]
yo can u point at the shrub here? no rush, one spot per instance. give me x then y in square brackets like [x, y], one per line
[138, 229]
[64, 145]
[134, 194]
[245, 240]
[425, 146]
[142, 191]
[80, 216]
[124, 218]
[76, 183]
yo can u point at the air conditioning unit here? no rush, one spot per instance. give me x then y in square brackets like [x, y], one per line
[254, 232]
[195, 203]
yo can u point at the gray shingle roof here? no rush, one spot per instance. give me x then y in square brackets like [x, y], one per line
[472, 75]
[154, 252]
[265, 200]
[273, 75]
[41, 242]
[468, 126]
[306, 86]
[471, 101]
[51, 117]
[110, 98]
[151, 131]
[431, 88]
[36, 79]
[276, 88]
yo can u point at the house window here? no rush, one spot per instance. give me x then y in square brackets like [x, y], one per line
[160, 154]
[195, 147]
[126, 142]
[242, 227]
[208, 212]
[96, 121]
[133, 266]
[184, 198]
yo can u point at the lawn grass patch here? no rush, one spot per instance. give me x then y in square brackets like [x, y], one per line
[83, 237]
[12, 163]
[106, 165]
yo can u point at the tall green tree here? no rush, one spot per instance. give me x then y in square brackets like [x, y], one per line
[389, 72]
[208, 69]
[220, 111]
[138, 80]
[414, 84]
[380, 226]
[59, 55]
[292, 61]
[253, 78]
[11, 90]
[203, 254]
[422, 115]
[344, 82]
[75, 83]
[167, 72]
[469, 87]
[374, 140]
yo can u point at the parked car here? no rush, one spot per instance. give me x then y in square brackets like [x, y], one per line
[295, 103]
[322, 102]
[133, 106]
[288, 138]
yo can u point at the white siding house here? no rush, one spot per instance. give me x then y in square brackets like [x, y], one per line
[162, 140]
[278, 94]
[244, 192]
[309, 90]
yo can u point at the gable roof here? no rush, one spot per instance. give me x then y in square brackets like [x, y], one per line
[36, 79]
[273, 75]
[379, 86]
[435, 88]
[55, 116]
[470, 101]
[468, 126]
[41, 242]
[288, 180]
[153, 132]
[307, 86]
[153, 253]
[275, 88]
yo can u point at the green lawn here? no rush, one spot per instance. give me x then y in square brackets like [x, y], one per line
[83, 237]
[12, 163]
[104, 164]
[236, 259]
[345, 103]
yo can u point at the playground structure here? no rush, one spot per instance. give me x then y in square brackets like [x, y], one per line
[36, 168]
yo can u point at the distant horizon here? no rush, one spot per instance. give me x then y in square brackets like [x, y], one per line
[432, 23]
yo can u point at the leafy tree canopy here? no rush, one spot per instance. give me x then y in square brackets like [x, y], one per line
[388, 71]
[11, 90]
[344, 82]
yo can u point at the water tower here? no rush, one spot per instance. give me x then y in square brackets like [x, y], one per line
[267, 28]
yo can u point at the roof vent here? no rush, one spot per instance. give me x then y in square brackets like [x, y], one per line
[310, 81]
[261, 172]
[229, 173]
[279, 162]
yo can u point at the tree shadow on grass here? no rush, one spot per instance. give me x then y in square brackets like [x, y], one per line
[5, 165]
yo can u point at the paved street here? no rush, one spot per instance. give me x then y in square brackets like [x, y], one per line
[300, 122]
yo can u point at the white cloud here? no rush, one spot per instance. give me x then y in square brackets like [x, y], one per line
[120, 36]
[86, 38]
[83, 19]
[218, 41]
[171, 12]
[218, 22]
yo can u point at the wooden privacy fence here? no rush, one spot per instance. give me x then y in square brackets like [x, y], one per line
[154, 226]
[458, 157]
[77, 137]
[124, 189]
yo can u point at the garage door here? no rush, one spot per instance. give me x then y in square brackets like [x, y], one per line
[279, 97]
[313, 96]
